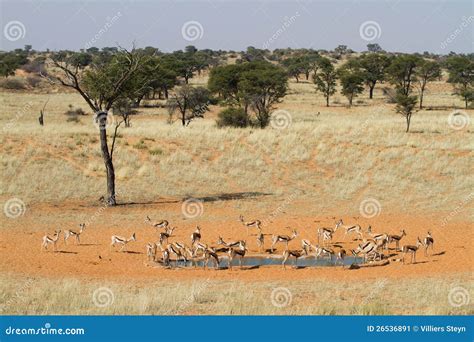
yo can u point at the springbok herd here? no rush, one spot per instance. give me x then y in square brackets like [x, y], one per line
[371, 248]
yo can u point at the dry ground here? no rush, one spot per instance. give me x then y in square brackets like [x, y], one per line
[320, 168]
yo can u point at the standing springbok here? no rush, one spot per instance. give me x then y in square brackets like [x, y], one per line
[412, 250]
[428, 242]
[396, 239]
[251, 224]
[306, 246]
[47, 240]
[321, 251]
[261, 241]
[196, 236]
[327, 233]
[151, 249]
[211, 254]
[240, 252]
[69, 232]
[165, 235]
[283, 238]
[341, 254]
[122, 241]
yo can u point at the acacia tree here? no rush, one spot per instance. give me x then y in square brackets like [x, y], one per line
[374, 66]
[461, 75]
[402, 74]
[351, 78]
[325, 78]
[262, 86]
[256, 86]
[101, 84]
[427, 71]
[405, 106]
[190, 102]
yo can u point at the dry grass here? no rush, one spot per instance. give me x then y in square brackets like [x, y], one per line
[30, 296]
[342, 155]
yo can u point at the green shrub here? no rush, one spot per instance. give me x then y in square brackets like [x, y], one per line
[233, 117]
[13, 84]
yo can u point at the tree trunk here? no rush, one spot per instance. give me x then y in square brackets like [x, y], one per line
[166, 93]
[183, 119]
[297, 79]
[327, 100]
[350, 100]
[109, 166]
[408, 122]
[371, 91]
[421, 98]
[307, 75]
[465, 101]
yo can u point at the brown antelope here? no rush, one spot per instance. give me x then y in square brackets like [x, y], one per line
[350, 229]
[283, 238]
[341, 254]
[323, 251]
[306, 246]
[428, 242]
[122, 241]
[210, 253]
[412, 250]
[47, 240]
[232, 244]
[327, 233]
[69, 232]
[261, 241]
[240, 253]
[291, 253]
[396, 239]
[367, 248]
[196, 236]
[151, 249]
[251, 224]
[164, 236]
[380, 239]
[159, 224]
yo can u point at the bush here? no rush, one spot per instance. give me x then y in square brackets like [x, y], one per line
[33, 81]
[233, 117]
[73, 114]
[12, 83]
